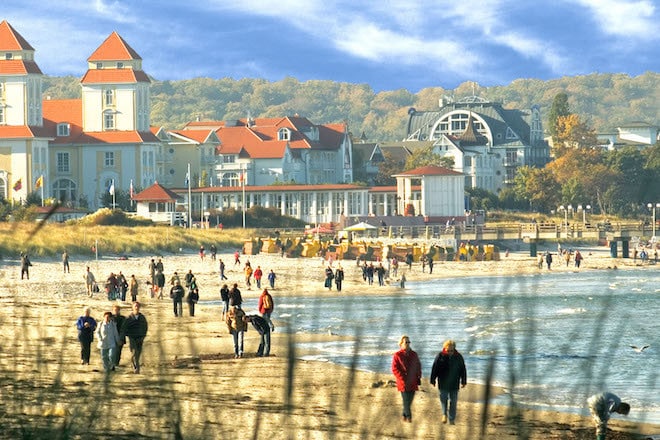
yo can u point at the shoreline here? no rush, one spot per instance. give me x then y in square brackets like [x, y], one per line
[174, 346]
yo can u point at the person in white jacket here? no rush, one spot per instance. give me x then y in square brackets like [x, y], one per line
[108, 341]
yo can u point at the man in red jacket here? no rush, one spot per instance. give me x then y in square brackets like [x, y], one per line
[408, 372]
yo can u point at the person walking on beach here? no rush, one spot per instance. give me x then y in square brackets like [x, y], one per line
[222, 270]
[266, 307]
[601, 406]
[193, 297]
[86, 326]
[135, 329]
[329, 275]
[177, 293]
[108, 340]
[237, 326]
[339, 277]
[430, 263]
[237, 258]
[548, 259]
[133, 288]
[89, 281]
[408, 373]
[235, 298]
[119, 322]
[578, 258]
[160, 283]
[123, 286]
[271, 278]
[65, 261]
[248, 275]
[224, 297]
[261, 326]
[380, 271]
[201, 252]
[258, 273]
[25, 265]
[214, 251]
[449, 371]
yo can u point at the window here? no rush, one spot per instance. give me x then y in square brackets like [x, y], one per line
[109, 159]
[2, 90]
[510, 134]
[109, 97]
[120, 65]
[283, 134]
[63, 165]
[9, 56]
[2, 114]
[63, 129]
[64, 190]
[228, 158]
[109, 121]
[99, 66]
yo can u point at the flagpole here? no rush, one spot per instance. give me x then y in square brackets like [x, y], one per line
[114, 205]
[189, 199]
[243, 181]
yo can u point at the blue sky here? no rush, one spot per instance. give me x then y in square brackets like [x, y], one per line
[388, 44]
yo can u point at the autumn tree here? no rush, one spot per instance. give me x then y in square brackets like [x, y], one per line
[539, 187]
[573, 133]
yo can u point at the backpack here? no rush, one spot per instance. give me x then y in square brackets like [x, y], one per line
[267, 302]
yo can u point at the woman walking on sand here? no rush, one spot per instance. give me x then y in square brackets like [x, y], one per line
[408, 373]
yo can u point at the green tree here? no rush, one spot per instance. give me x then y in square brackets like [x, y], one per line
[387, 168]
[559, 108]
[427, 156]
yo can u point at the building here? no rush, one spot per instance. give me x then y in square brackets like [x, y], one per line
[77, 147]
[487, 142]
[289, 149]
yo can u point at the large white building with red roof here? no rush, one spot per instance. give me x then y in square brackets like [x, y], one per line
[79, 146]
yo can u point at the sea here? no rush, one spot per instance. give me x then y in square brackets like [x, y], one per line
[550, 339]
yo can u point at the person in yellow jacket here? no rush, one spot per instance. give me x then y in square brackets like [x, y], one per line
[237, 326]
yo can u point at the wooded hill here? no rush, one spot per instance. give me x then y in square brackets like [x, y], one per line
[605, 101]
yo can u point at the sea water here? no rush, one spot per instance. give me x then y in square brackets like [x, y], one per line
[551, 339]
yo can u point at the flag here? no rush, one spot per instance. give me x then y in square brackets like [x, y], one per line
[40, 182]
[18, 185]
[186, 182]
[130, 189]
[241, 177]
[111, 189]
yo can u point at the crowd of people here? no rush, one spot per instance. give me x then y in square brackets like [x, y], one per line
[112, 330]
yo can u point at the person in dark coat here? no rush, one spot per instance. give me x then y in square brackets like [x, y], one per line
[329, 275]
[235, 297]
[119, 322]
[193, 297]
[159, 279]
[86, 326]
[224, 296]
[135, 329]
[25, 266]
[262, 327]
[177, 293]
[449, 371]
[339, 277]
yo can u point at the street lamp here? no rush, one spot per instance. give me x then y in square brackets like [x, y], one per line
[652, 207]
[584, 210]
[565, 209]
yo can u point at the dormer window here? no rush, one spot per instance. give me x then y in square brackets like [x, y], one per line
[99, 66]
[510, 134]
[283, 134]
[109, 97]
[120, 65]
[9, 56]
[63, 129]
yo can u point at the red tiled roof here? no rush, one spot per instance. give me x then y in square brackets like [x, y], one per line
[114, 48]
[13, 67]
[430, 170]
[15, 131]
[274, 188]
[260, 139]
[10, 40]
[116, 137]
[156, 193]
[100, 76]
[200, 136]
[58, 111]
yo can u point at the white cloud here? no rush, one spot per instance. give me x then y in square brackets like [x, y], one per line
[624, 18]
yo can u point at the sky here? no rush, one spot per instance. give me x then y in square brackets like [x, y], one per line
[387, 44]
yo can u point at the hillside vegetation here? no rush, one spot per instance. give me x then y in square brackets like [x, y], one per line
[604, 100]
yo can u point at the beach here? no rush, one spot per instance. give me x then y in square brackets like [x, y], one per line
[190, 385]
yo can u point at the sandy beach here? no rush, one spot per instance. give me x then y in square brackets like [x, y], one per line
[190, 385]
